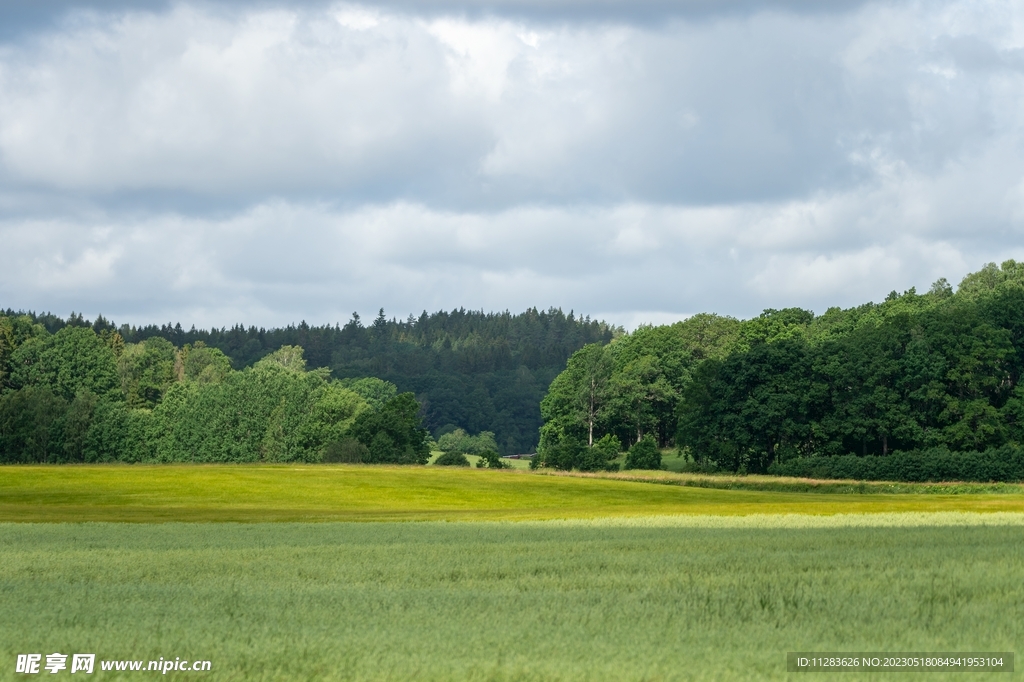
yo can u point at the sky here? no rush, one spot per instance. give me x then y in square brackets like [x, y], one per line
[637, 161]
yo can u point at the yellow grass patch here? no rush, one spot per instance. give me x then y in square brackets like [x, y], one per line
[251, 493]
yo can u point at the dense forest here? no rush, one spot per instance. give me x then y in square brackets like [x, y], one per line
[917, 387]
[888, 387]
[467, 369]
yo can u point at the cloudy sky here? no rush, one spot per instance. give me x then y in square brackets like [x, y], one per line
[634, 160]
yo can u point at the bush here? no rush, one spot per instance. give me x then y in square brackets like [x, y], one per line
[604, 451]
[644, 454]
[347, 451]
[563, 455]
[492, 460]
[569, 453]
[1005, 464]
[452, 459]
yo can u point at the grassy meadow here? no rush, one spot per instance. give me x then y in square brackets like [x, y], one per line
[588, 600]
[506, 575]
[255, 493]
[522, 464]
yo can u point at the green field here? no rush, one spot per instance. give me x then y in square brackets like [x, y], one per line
[522, 464]
[251, 493]
[544, 577]
[506, 601]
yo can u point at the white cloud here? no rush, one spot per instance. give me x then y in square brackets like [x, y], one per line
[356, 102]
[280, 261]
[221, 164]
[357, 18]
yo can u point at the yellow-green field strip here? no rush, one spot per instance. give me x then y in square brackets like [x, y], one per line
[755, 521]
[789, 484]
[259, 493]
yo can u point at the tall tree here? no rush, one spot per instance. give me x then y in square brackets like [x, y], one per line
[576, 398]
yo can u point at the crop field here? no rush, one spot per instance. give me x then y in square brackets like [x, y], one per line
[653, 599]
[249, 493]
[542, 578]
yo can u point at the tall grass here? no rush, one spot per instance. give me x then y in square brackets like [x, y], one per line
[574, 600]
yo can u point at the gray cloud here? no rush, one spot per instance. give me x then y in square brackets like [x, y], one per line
[18, 17]
[305, 160]
[356, 104]
[278, 262]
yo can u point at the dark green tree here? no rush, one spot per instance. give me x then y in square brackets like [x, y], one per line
[146, 371]
[77, 421]
[393, 434]
[71, 360]
[32, 426]
[753, 408]
[203, 364]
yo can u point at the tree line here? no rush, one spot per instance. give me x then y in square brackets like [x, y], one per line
[467, 369]
[911, 387]
[81, 396]
[791, 392]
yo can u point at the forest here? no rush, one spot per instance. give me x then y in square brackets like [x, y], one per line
[467, 369]
[917, 387]
[921, 386]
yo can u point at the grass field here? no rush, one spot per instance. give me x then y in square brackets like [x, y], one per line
[375, 493]
[553, 577]
[522, 464]
[784, 484]
[587, 600]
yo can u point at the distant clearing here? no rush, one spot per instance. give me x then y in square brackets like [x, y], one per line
[251, 493]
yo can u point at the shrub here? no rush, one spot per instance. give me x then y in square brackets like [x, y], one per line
[492, 460]
[563, 455]
[452, 459]
[569, 453]
[1003, 464]
[644, 454]
[604, 451]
